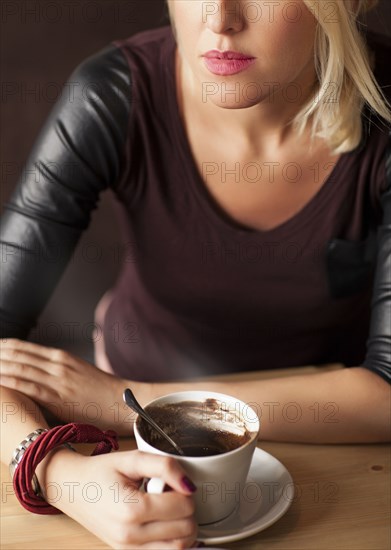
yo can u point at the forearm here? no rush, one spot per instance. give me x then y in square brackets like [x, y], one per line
[20, 416]
[75, 390]
[346, 405]
[340, 406]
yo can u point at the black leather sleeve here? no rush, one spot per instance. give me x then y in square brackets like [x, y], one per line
[78, 153]
[378, 357]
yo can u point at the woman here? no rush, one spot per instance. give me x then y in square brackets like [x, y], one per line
[247, 150]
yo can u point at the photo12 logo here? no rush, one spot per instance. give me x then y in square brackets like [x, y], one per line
[253, 11]
[271, 492]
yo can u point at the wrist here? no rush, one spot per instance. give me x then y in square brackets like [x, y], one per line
[58, 465]
[55, 462]
[61, 471]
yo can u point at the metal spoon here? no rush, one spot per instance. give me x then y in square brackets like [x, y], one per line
[132, 402]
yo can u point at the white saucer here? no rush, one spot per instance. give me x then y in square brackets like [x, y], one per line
[267, 495]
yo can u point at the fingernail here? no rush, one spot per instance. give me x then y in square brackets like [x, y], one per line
[188, 484]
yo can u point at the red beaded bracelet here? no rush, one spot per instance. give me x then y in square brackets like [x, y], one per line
[36, 452]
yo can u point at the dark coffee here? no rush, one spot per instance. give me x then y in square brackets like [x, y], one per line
[189, 425]
[202, 450]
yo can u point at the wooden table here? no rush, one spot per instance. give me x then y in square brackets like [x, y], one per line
[342, 501]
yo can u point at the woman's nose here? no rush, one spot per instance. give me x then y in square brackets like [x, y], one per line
[222, 16]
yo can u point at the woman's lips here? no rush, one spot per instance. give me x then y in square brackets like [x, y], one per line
[227, 63]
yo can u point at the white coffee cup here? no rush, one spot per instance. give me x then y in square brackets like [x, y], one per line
[220, 478]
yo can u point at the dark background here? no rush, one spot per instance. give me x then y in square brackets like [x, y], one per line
[41, 43]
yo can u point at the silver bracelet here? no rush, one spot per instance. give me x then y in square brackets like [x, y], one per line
[18, 455]
[21, 449]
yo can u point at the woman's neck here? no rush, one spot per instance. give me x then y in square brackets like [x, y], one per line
[273, 115]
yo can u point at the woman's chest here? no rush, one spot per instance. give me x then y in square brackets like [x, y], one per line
[261, 192]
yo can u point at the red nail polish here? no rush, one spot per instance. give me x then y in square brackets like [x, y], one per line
[188, 484]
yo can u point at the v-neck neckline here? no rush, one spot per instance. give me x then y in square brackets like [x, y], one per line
[216, 213]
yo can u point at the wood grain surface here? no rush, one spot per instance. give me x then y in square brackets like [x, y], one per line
[342, 501]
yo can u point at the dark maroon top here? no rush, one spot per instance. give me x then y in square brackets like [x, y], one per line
[198, 293]
[207, 295]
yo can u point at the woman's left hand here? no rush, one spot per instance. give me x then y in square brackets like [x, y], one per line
[69, 387]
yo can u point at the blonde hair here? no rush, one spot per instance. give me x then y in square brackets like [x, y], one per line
[345, 78]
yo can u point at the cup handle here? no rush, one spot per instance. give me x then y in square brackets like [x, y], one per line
[155, 486]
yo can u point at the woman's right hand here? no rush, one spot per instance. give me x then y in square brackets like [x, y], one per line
[103, 494]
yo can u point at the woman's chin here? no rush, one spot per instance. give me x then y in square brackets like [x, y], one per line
[234, 103]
